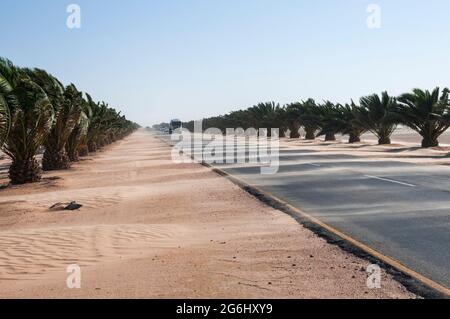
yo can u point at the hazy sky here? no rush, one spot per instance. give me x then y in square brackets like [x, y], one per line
[160, 59]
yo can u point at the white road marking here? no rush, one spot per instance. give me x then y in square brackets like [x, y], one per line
[389, 180]
[312, 164]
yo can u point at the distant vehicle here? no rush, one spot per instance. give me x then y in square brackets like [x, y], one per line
[175, 125]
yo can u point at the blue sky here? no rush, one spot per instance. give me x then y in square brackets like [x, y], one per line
[160, 59]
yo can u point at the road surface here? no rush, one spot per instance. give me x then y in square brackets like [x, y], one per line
[400, 209]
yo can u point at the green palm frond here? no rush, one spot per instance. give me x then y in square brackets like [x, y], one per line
[331, 118]
[78, 135]
[36, 110]
[269, 115]
[377, 115]
[5, 120]
[350, 124]
[66, 103]
[31, 119]
[428, 113]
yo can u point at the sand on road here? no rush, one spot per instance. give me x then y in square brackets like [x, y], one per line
[150, 228]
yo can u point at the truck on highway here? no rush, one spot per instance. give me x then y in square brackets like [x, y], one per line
[175, 125]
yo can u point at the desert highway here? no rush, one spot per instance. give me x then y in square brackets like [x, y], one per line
[401, 210]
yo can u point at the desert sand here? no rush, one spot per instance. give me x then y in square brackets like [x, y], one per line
[150, 228]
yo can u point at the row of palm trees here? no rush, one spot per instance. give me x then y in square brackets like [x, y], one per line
[37, 112]
[427, 113]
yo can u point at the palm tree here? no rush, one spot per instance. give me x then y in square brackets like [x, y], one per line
[241, 118]
[427, 113]
[67, 109]
[282, 121]
[85, 120]
[376, 115]
[293, 112]
[331, 120]
[310, 118]
[5, 120]
[31, 121]
[36, 110]
[106, 125]
[95, 116]
[350, 126]
[268, 116]
[76, 143]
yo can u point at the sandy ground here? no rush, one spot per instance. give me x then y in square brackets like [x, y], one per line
[405, 147]
[153, 229]
[405, 135]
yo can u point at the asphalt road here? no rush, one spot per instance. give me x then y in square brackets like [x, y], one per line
[400, 209]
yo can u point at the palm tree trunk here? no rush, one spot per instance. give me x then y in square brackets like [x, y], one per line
[295, 134]
[330, 137]
[26, 171]
[310, 133]
[384, 140]
[55, 160]
[107, 141]
[354, 138]
[295, 128]
[429, 141]
[92, 147]
[101, 143]
[83, 151]
[73, 155]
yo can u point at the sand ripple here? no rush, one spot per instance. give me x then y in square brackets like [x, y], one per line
[33, 252]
